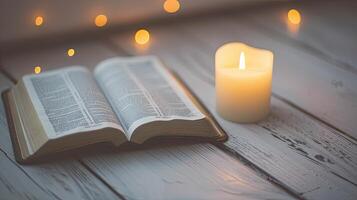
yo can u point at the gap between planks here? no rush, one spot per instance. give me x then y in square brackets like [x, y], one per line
[261, 172]
[332, 19]
[326, 120]
[61, 168]
[253, 186]
[273, 30]
[182, 38]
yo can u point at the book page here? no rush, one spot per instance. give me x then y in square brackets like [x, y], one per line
[141, 91]
[69, 101]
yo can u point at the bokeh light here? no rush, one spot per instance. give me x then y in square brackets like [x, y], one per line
[294, 16]
[171, 6]
[142, 36]
[100, 20]
[37, 69]
[39, 21]
[71, 52]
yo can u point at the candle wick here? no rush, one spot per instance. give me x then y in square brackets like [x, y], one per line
[242, 61]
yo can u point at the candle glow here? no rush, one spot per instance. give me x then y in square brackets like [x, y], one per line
[243, 82]
[242, 61]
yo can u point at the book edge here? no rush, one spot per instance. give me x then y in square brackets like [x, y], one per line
[222, 136]
[12, 129]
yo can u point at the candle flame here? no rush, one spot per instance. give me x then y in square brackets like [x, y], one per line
[242, 61]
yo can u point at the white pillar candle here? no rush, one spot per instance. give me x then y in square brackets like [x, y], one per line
[243, 82]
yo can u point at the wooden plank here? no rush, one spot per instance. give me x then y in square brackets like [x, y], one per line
[62, 179]
[5, 83]
[55, 57]
[299, 152]
[321, 83]
[10, 173]
[197, 171]
[175, 172]
[317, 86]
[12, 188]
[327, 30]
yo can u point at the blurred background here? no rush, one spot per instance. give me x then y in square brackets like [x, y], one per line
[31, 21]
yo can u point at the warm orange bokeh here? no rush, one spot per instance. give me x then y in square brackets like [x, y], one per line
[142, 36]
[171, 6]
[294, 16]
[37, 69]
[39, 21]
[100, 20]
[293, 21]
[71, 52]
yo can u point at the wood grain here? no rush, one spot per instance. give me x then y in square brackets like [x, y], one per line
[327, 30]
[12, 188]
[54, 57]
[319, 87]
[299, 152]
[10, 173]
[61, 179]
[324, 82]
[197, 171]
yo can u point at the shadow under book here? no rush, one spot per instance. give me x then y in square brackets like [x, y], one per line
[125, 100]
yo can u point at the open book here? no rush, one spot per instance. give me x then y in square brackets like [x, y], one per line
[125, 99]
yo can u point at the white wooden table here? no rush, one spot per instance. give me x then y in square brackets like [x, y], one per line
[306, 149]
